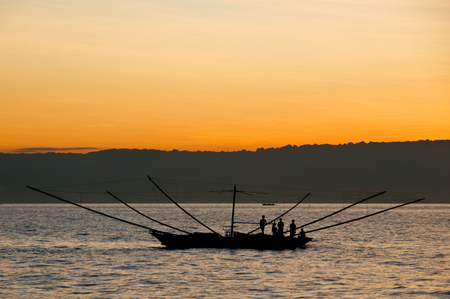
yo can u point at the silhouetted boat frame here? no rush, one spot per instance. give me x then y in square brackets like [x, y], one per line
[231, 239]
[237, 240]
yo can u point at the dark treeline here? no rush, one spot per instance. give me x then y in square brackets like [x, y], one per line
[411, 169]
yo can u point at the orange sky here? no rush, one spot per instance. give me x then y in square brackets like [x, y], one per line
[222, 75]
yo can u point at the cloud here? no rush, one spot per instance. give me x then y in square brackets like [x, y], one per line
[54, 149]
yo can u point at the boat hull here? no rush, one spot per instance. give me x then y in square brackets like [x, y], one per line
[239, 240]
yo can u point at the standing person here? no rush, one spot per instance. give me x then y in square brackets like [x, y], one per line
[281, 227]
[262, 224]
[292, 228]
[274, 228]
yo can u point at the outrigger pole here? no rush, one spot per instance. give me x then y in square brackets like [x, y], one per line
[334, 213]
[94, 211]
[283, 213]
[356, 219]
[162, 191]
[183, 231]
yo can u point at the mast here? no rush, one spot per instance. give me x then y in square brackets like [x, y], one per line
[234, 203]
[232, 213]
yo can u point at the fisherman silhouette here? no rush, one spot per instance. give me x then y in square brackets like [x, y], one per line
[292, 228]
[262, 224]
[274, 229]
[281, 227]
[302, 233]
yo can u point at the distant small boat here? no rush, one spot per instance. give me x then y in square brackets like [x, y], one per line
[268, 204]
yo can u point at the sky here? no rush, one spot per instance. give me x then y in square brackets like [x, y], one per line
[221, 75]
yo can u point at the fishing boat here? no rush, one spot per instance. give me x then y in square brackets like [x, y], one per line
[231, 239]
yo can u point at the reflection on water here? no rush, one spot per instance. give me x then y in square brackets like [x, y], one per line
[61, 251]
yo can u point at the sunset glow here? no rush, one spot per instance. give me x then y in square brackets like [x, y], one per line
[221, 75]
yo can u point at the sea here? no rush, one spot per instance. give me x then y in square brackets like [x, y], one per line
[62, 251]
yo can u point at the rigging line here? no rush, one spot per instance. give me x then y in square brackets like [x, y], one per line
[94, 211]
[373, 214]
[264, 187]
[146, 215]
[334, 213]
[283, 213]
[400, 196]
[72, 192]
[301, 189]
[189, 181]
[162, 191]
[239, 191]
[100, 183]
[245, 222]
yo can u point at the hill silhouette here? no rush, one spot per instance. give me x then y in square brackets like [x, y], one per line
[411, 169]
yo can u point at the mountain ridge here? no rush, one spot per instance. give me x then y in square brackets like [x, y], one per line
[412, 169]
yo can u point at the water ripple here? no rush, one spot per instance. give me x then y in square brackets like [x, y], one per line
[90, 260]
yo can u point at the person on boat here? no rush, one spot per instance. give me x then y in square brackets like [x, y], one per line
[292, 228]
[274, 229]
[281, 227]
[302, 233]
[262, 224]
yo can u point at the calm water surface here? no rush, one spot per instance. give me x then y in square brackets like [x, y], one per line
[60, 251]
